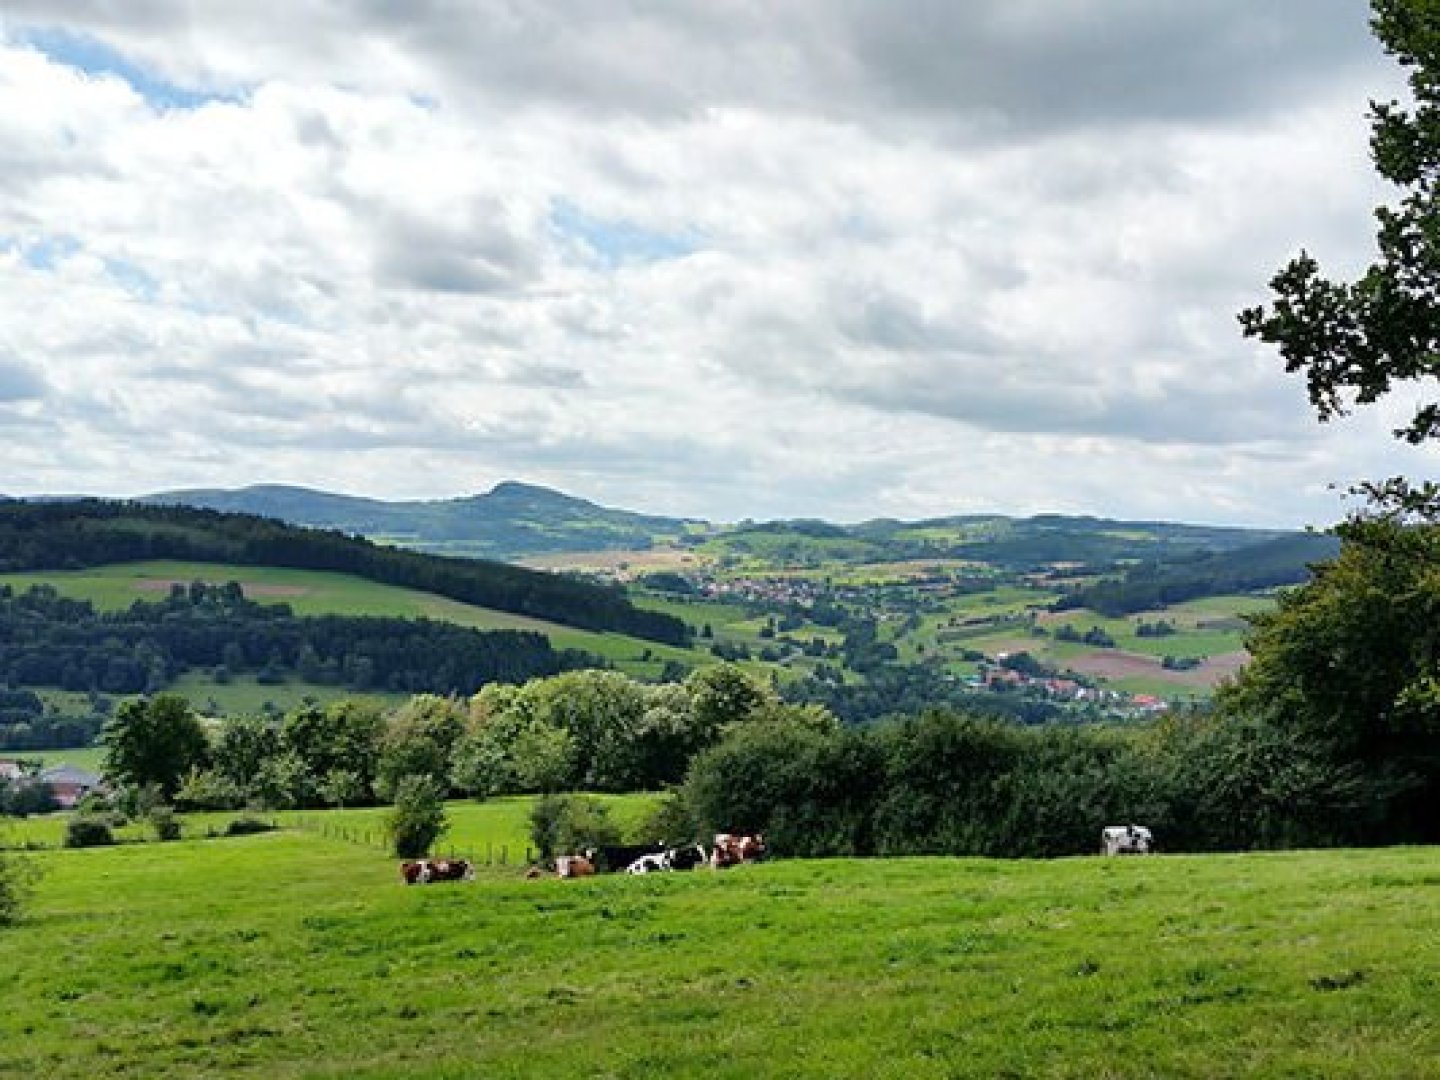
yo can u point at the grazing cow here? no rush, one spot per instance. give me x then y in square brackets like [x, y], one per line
[732, 850]
[1125, 840]
[424, 871]
[574, 866]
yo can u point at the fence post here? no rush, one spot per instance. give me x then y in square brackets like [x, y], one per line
[504, 854]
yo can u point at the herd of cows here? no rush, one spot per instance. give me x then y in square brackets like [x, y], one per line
[729, 849]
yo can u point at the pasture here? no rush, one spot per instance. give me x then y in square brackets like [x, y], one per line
[477, 829]
[290, 955]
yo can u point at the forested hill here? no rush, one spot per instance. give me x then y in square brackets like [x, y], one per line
[72, 535]
[510, 521]
[1285, 560]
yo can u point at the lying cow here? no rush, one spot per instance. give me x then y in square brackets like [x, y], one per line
[732, 850]
[687, 858]
[613, 858]
[1126, 840]
[424, 871]
[572, 866]
[677, 858]
[650, 864]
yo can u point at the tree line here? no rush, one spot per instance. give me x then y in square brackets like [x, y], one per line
[581, 730]
[90, 532]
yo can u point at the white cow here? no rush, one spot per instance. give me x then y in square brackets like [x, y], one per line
[1125, 840]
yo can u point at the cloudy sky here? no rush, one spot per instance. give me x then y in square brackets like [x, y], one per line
[731, 258]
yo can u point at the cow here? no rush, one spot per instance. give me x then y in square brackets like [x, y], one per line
[570, 866]
[1126, 840]
[732, 850]
[424, 871]
[687, 858]
[612, 858]
[650, 864]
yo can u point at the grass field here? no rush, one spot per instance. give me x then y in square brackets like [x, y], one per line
[289, 955]
[492, 830]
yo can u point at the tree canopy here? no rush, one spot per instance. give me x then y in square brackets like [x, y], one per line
[1356, 341]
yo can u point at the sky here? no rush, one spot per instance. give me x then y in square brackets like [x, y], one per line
[724, 259]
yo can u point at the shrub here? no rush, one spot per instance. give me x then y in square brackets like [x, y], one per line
[561, 823]
[17, 882]
[246, 826]
[164, 822]
[672, 821]
[82, 831]
[418, 817]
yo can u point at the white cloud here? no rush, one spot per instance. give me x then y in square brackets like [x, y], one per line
[723, 261]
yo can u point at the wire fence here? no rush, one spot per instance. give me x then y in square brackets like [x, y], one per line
[490, 854]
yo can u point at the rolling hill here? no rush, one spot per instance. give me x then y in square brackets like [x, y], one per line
[516, 520]
[73, 535]
[509, 521]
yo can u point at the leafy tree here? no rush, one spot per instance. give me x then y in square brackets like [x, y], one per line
[543, 758]
[155, 741]
[1356, 341]
[723, 694]
[242, 749]
[339, 744]
[208, 789]
[481, 765]
[1348, 668]
[419, 741]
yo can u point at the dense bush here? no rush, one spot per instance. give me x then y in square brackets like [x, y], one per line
[17, 881]
[570, 823]
[417, 819]
[25, 797]
[247, 826]
[950, 784]
[82, 832]
[164, 823]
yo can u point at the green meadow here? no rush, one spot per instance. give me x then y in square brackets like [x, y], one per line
[295, 955]
[491, 830]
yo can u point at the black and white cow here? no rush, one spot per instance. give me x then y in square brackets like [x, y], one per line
[1126, 840]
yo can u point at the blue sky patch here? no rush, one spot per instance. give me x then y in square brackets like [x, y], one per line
[615, 242]
[46, 252]
[94, 57]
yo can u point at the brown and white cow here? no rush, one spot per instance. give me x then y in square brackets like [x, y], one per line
[570, 866]
[732, 849]
[424, 871]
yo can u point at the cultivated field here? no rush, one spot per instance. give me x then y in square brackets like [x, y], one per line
[291, 955]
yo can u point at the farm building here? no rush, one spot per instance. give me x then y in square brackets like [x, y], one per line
[69, 782]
